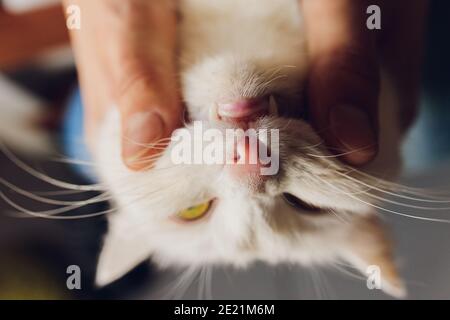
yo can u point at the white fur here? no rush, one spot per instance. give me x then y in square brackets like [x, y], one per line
[232, 49]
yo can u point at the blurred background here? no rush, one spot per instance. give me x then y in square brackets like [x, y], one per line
[37, 77]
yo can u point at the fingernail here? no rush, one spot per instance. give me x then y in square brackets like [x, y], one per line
[141, 129]
[353, 129]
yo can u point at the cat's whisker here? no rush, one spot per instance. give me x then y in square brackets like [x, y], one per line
[62, 158]
[58, 192]
[39, 175]
[340, 191]
[148, 158]
[402, 214]
[286, 125]
[201, 283]
[273, 106]
[161, 143]
[392, 193]
[270, 81]
[276, 70]
[369, 187]
[379, 207]
[326, 286]
[406, 189]
[208, 282]
[50, 214]
[35, 197]
[338, 216]
[94, 164]
[380, 181]
[73, 161]
[204, 283]
[313, 146]
[316, 283]
[408, 205]
[53, 212]
[148, 195]
[388, 210]
[345, 269]
[338, 154]
[83, 216]
[182, 284]
[164, 147]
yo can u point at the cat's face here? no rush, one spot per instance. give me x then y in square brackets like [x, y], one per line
[313, 210]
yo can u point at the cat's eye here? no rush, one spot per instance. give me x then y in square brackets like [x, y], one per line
[300, 205]
[195, 212]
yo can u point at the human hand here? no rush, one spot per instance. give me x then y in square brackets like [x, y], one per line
[344, 77]
[125, 53]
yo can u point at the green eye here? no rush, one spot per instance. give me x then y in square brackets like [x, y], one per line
[195, 212]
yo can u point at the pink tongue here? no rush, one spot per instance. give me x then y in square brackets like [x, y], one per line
[243, 110]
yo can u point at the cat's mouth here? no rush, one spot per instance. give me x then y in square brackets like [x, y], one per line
[245, 110]
[251, 156]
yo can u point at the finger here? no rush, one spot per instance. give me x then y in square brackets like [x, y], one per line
[147, 92]
[344, 81]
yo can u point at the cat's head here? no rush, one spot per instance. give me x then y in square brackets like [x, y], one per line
[312, 209]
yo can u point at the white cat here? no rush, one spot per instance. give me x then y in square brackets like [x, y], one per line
[315, 211]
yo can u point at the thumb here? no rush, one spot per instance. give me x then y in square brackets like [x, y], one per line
[344, 81]
[147, 91]
[150, 111]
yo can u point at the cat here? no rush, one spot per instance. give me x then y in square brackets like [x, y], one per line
[315, 211]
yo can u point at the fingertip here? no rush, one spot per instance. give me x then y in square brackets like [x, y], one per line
[352, 131]
[361, 157]
[344, 72]
[142, 132]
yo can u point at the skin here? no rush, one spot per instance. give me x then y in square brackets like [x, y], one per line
[345, 69]
[140, 74]
[125, 54]
[23, 36]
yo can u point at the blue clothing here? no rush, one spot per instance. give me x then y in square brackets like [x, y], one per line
[73, 137]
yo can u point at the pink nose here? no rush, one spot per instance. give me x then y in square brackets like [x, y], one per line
[245, 110]
[245, 158]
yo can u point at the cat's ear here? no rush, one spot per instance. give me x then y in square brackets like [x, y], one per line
[370, 250]
[123, 249]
